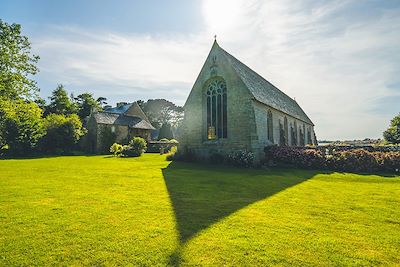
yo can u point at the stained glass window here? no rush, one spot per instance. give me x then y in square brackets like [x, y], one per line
[216, 110]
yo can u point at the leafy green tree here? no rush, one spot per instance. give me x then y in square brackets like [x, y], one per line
[392, 134]
[86, 103]
[60, 103]
[17, 64]
[62, 132]
[20, 125]
[160, 111]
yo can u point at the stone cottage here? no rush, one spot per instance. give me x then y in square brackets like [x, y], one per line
[231, 107]
[122, 123]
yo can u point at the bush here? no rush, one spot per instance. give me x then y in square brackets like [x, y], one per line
[116, 149]
[186, 155]
[21, 126]
[165, 132]
[217, 158]
[137, 146]
[171, 153]
[356, 160]
[241, 158]
[62, 133]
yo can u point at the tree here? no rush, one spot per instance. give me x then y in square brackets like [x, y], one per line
[17, 64]
[20, 125]
[62, 132]
[165, 132]
[60, 103]
[86, 103]
[392, 134]
[160, 111]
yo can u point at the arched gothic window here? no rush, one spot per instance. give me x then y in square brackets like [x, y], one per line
[216, 110]
[309, 140]
[282, 139]
[296, 143]
[270, 125]
[292, 135]
[286, 129]
[301, 143]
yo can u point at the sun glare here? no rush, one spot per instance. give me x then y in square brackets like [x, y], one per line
[220, 15]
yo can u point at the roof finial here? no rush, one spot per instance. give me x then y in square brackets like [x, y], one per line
[215, 37]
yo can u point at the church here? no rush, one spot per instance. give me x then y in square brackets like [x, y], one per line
[231, 107]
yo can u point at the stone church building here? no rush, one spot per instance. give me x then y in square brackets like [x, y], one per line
[231, 107]
[122, 123]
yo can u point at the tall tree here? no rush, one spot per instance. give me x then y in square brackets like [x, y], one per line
[17, 64]
[392, 134]
[86, 104]
[160, 111]
[60, 103]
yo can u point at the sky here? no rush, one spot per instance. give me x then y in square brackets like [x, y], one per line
[340, 59]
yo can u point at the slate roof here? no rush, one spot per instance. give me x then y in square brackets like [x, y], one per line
[121, 119]
[120, 110]
[265, 92]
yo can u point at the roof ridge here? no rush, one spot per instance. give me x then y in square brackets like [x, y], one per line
[258, 96]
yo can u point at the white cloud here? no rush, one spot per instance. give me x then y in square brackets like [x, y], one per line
[336, 63]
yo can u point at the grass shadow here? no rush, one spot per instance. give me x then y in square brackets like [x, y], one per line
[202, 195]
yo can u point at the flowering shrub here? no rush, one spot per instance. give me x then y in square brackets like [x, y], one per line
[356, 160]
[241, 158]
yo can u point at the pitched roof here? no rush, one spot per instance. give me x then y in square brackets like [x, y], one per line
[119, 110]
[129, 114]
[265, 92]
[121, 119]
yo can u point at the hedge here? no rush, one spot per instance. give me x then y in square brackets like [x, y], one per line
[355, 160]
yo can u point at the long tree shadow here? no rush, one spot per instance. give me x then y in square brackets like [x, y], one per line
[202, 195]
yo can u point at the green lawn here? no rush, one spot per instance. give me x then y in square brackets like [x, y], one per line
[103, 211]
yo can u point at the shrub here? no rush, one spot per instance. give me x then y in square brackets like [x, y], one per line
[217, 158]
[241, 158]
[62, 133]
[185, 154]
[116, 149]
[165, 132]
[21, 125]
[171, 153]
[137, 146]
[355, 160]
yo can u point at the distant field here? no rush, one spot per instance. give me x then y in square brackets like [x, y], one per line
[103, 211]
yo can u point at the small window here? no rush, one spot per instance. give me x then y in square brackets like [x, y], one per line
[113, 129]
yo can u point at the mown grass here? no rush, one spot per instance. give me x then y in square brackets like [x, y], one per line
[104, 211]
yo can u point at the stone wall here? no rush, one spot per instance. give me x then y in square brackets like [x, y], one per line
[261, 111]
[240, 113]
[246, 117]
